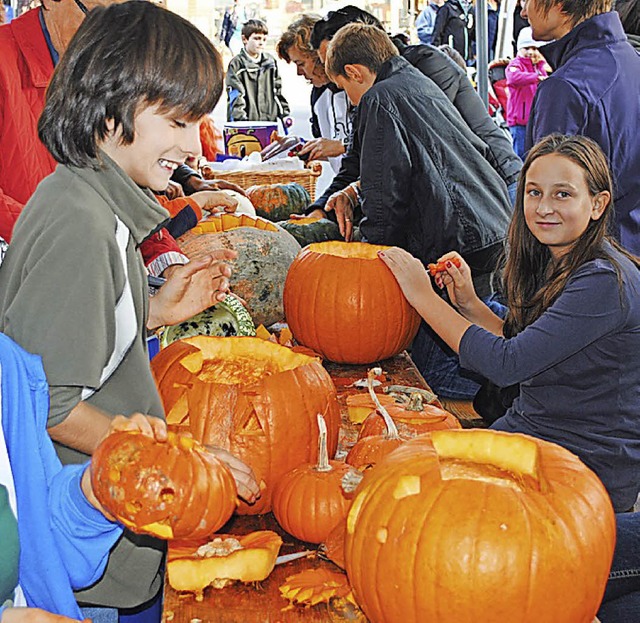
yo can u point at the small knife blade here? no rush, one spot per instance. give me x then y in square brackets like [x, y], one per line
[280, 560]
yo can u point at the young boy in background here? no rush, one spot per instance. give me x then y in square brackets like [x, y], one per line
[254, 86]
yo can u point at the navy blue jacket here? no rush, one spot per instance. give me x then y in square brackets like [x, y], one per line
[595, 91]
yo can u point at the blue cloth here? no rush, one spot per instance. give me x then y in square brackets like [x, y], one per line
[578, 367]
[621, 602]
[593, 91]
[64, 540]
[518, 133]
[426, 21]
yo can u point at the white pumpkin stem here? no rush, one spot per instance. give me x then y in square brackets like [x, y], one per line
[323, 456]
[392, 430]
[416, 402]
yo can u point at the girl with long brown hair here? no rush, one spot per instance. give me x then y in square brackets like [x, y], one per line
[571, 338]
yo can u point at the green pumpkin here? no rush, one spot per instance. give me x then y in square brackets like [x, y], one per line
[309, 230]
[277, 202]
[225, 319]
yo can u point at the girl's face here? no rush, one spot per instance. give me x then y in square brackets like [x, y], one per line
[309, 66]
[161, 142]
[557, 204]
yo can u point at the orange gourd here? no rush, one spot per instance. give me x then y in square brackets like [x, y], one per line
[344, 303]
[255, 398]
[308, 502]
[411, 419]
[171, 489]
[482, 526]
[368, 451]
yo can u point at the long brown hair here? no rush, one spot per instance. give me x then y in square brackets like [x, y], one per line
[532, 279]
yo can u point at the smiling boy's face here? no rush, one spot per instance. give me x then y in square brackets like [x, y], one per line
[161, 143]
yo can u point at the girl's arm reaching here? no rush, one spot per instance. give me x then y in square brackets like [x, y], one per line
[415, 283]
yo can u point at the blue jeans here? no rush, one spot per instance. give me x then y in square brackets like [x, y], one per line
[621, 602]
[517, 134]
[440, 366]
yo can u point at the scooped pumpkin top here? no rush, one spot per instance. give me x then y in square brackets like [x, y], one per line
[236, 360]
[350, 250]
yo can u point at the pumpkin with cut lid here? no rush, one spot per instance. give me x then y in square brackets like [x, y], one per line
[343, 302]
[482, 526]
[255, 398]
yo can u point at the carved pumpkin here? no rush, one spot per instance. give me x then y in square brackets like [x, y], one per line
[192, 566]
[308, 502]
[149, 485]
[411, 419]
[257, 399]
[265, 253]
[278, 202]
[482, 526]
[343, 302]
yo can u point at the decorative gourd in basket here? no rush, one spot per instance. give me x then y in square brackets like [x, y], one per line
[253, 397]
[342, 301]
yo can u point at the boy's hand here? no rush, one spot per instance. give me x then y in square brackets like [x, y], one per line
[246, 483]
[34, 615]
[322, 148]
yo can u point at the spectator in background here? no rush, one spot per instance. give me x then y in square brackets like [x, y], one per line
[493, 14]
[254, 86]
[229, 24]
[593, 91]
[519, 23]
[524, 74]
[629, 11]
[455, 25]
[426, 20]
[330, 108]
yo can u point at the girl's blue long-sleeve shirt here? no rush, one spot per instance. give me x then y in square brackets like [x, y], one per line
[64, 540]
[578, 367]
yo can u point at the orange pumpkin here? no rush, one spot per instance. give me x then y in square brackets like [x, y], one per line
[265, 253]
[482, 526]
[344, 303]
[370, 450]
[411, 419]
[308, 502]
[255, 398]
[172, 489]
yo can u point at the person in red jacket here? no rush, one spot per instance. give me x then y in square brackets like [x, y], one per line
[30, 47]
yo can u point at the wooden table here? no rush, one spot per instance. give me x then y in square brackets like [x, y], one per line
[240, 603]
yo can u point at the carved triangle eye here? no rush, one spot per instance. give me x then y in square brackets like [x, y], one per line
[251, 425]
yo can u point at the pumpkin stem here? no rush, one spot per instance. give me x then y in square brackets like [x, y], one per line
[392, 430]
[323, 456]
[351, 480]
[416, 402]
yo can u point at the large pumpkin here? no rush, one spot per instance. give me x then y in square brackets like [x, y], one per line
[342, 301]
[265, 253]
[173, 489]
[478, 526]
[257, 399]
[279, 201]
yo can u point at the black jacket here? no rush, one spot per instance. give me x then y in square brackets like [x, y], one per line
[455, 26]
[425, 180]
[456, 86]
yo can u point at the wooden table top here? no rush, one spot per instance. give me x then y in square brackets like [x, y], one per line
[240, 603]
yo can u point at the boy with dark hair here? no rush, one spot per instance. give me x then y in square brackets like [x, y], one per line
[425, 182]
[593, 91]
[254, 86]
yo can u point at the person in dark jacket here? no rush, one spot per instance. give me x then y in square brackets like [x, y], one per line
[629, 12]
[453, 81]
[455, 25]
[593, 91]
[425, 181]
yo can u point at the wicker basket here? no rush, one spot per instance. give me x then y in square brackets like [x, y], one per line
[307, 178]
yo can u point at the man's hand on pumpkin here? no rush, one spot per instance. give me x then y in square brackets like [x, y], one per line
[246, 483]
[191, 288]
[343, 204]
